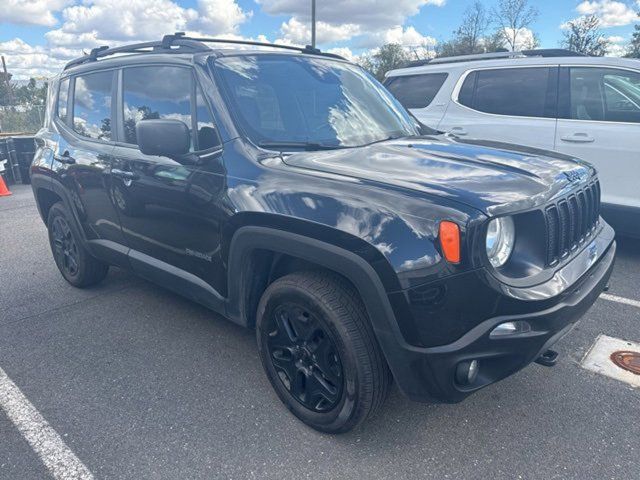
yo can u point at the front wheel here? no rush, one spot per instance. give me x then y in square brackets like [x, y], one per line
[319, 351]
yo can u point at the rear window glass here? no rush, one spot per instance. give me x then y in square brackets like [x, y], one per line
[92, 105]
[521, 92]
[416, 91]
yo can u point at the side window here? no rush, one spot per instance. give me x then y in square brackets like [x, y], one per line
[520, 92]
[207, 136]
[155, 92]
[601, 94]
[416, 91]
[92, 105]
[63, 97]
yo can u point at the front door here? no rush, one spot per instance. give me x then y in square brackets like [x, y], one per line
[601, 124]
[170, 208]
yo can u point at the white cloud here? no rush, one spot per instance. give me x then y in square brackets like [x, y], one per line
[24, 60]
[344, 52]
[31, 12]
[98, 22]
[525, 39]
[343, 19]
[617, 46]
[407, 37]
[610, 12]
[297, 32]
[220, 16]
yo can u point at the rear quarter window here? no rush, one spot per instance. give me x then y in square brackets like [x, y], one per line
[63, 97]
[416, 91]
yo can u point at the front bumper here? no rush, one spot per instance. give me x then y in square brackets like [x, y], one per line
[428, 373]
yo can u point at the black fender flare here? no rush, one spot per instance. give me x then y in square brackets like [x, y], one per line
[398, 353]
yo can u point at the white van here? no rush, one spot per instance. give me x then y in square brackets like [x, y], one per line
[587, 107]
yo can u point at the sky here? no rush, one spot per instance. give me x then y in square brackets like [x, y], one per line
[37, 37]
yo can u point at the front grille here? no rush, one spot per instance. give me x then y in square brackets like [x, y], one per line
[571, 220]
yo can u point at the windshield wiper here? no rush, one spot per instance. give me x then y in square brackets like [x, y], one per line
[296, 145]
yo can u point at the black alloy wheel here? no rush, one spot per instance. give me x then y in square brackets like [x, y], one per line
[305, 357]
[65, 249]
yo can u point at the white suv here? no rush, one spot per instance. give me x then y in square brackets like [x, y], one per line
[587, 107]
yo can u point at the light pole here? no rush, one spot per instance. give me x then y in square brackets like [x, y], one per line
[313, 23]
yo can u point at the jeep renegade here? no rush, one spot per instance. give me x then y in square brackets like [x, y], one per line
[287, 190]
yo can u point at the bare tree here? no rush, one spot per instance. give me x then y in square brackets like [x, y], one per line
[471, 32]
[512, 17]
[471, 36]
[583, 35]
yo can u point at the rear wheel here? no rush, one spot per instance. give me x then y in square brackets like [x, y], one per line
[75, 263]
[319, 351]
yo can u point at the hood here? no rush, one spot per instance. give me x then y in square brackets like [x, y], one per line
[492, 177]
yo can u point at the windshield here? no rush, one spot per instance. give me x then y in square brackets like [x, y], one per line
[293, 102]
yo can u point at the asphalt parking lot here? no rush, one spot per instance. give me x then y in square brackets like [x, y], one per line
[140, 383]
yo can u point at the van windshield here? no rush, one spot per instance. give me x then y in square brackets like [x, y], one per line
[290, 102]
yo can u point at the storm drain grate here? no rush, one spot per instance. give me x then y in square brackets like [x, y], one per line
[627, 360]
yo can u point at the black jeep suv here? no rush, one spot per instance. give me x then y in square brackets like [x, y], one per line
[287, 190]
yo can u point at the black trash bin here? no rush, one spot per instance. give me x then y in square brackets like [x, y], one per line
[18, 153]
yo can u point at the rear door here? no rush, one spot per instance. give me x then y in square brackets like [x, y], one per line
[84, 155]
[600, 123]
[515, 105]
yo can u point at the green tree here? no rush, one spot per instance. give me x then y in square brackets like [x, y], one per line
[634, 46]
[31, 94]
[583, 35]
[388, 57]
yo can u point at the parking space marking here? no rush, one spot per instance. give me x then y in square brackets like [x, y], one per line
[43, 439]
[626, 301]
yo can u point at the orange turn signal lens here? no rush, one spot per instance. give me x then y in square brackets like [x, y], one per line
[450, 241]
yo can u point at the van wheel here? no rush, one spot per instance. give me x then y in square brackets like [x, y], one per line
[319, 351]
[75, 263]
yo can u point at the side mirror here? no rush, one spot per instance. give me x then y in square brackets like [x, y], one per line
[169, 138]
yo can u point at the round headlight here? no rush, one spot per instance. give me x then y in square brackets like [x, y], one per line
[501, 236]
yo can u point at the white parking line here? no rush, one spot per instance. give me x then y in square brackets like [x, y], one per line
[56, 456]
[615, 298]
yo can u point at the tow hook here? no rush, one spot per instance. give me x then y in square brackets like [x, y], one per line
[548, 358]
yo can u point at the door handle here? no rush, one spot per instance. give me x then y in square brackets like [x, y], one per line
[126, 174]
[458, 131]
[64, 158]
[579, 137]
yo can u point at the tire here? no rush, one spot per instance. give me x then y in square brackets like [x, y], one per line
[319, 351]
[75, 263]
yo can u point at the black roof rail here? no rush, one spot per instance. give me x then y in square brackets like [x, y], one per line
[184, 44]
[166, 45]
[552, 52]
[306, 49]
